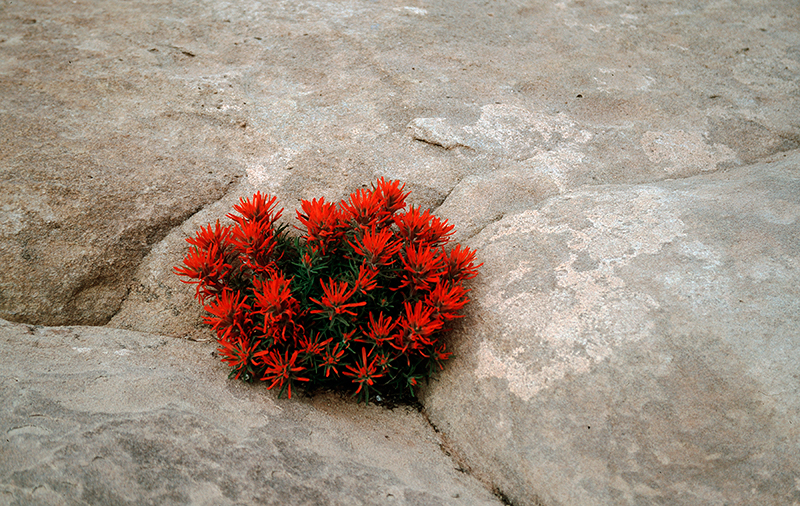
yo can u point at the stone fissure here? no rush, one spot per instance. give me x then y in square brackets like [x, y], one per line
[461, 465]
[635, 207]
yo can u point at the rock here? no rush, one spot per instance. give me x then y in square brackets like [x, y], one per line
[623, 140]
[103, 416]
[636, 344]
[121, 121]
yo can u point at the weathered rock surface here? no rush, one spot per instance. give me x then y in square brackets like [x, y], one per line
[119, 120]
[637, 345]
[102, 416]
[608, 159]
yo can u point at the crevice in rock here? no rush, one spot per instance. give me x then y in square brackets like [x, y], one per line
[440, 144]
[791, 141]
[445, 446]
[150, 235]
[495, 219]
[441, 201]
[462, 466]
[436, 132]
[503, 498]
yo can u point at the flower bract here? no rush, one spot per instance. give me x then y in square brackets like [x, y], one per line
[361, 298]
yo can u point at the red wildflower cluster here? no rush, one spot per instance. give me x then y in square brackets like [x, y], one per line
[360, 300]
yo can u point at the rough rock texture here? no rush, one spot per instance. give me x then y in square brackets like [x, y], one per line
[637, 345]
[121, 119]
[105, 416]
[628, 171]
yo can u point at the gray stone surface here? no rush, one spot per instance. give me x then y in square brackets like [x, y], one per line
[92, 415]
[636, 345]
[628, 171]
[119, 120]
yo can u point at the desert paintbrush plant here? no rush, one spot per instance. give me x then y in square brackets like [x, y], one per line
[360, 300]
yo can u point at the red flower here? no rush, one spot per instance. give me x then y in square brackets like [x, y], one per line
[206, 237]
[229, 315]
[281, 370]
[364, 373]
[347, 337]
[274, 300]
[274, 297]
[417, 327]
[379, 331]
[382, 360]
[248, 275]
[440, 354]
[414, 227]
[439, 232]
[313, 346]
[206, 263]
[206, 267]
[391, 195]
[323, 222]
[331, 359]
[366, 279]
[377, 247]
[364, 209]
[422, 267]
[335, 299]
[238, 354]
[255, 241]
[446, 300]
[259, 210]
[460, 264]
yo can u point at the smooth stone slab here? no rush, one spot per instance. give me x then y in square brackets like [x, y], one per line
[91, 415]
[636, 345]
